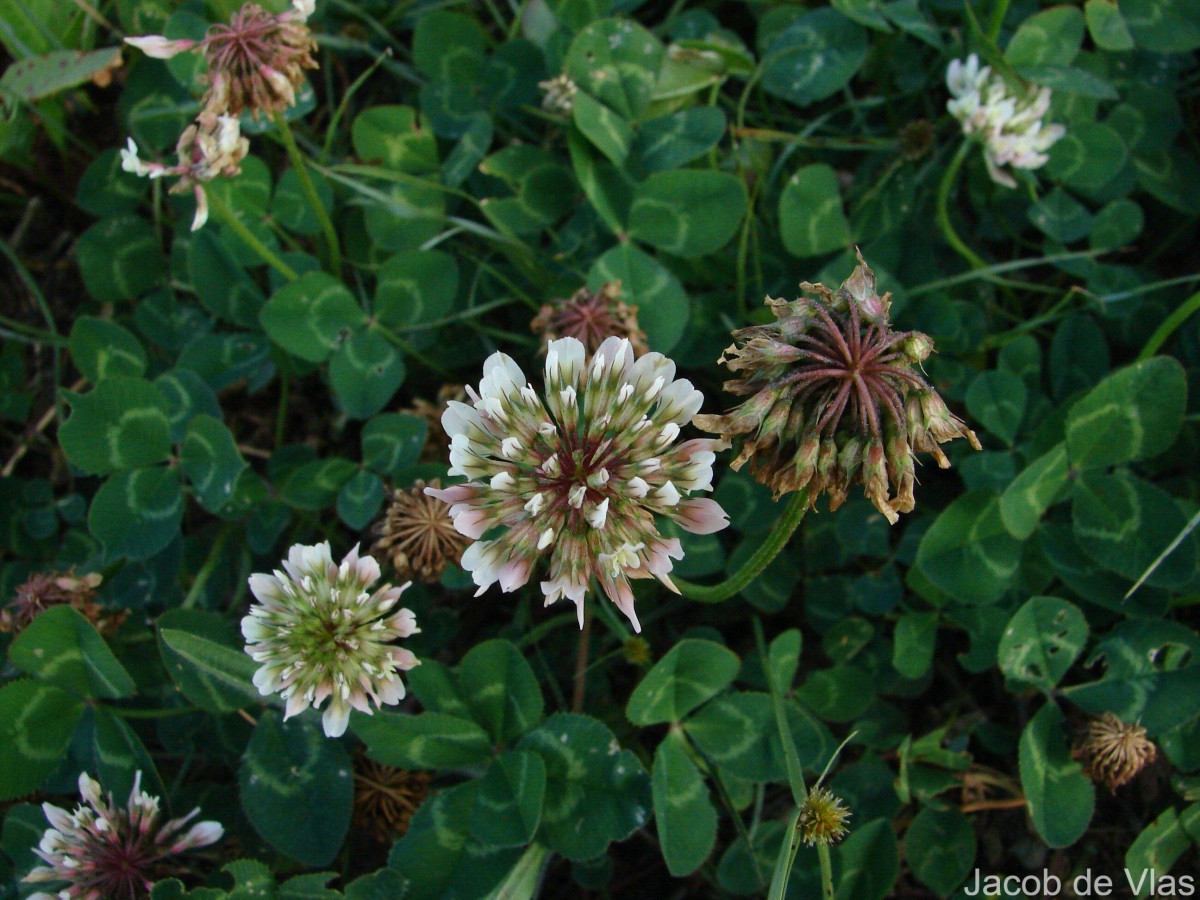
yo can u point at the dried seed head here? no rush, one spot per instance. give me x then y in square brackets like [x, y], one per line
[822, 818]
[103, 850]
[417, 534]
[385, 798]
[45, 589]
[835, 398]
[590, 318]
[1114, 752]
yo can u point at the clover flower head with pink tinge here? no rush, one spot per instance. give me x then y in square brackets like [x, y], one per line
[103, 851]
[581, 475]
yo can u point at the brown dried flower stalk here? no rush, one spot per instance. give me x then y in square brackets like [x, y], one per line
[835, 398]
[590, 318]
[1114, 751]
[417, 534]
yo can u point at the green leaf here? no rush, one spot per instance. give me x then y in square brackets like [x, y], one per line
[675, 140]
[315, 485]
[221, 678]
[311, 316]
[36, 77]
[224, 359]
[391, 442]
[187, 396]
[1117, 224]
[136, 514]
[359, 500]
[1087, 157]
[221, 282]
[416, 287]
[366, 371]
[940, 848]
[967, 552]
[211, 460]
[1061, 216]
[1059, 796]
[291, 207]
[916, 637]
[36, 724]
[688, 212]
[840, 693]
[617, 62]
[609, 132]
[200, 672]
[1163, 26]
[868, 862]
[783, 659]
[737, 731]
[100, 349]
[1031, 493]
[1150, 675]
[438, 857]
[501, 690]
[607, 187]
[508, 807]
[118, 754]
[1042, 641]
[1106, 25]
[1135, 413]
[811, 219]
[449, 45]
[120, 424]
[63, 648]
[692, 672]
[595, 794]
[431, 740]
[120, 259]
[541, 189]
[1049, 38]
[1156, 849]
[661, 301]
[814, 57]
[297, 789]
[1124, 523]
[683, 810]
[997, 400]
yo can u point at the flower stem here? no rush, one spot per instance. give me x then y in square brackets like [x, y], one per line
[759, 560]
[581, 660]
[826, 871]
[333, 249]
[1169, 325]
[943, 212]
[229, 217]
[996, 19]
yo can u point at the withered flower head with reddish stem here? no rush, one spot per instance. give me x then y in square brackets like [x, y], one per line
[417, 534]
[835, 398]
[590, 317]
[1115, 751]
[103, 851]
[579, 476]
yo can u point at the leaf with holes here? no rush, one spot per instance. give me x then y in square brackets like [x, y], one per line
[63, 648]
[1060, 797]
[596, 793]
[1043, 639]
[297, 789]
[120, 424]
[36, 724]
[617, 62]
[1135, 413]
[683, 809]
[311, 316]
[136, 514]
[211, 460]
[508, 807]
[692, 672]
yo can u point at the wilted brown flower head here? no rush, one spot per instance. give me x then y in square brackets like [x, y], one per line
[437, 442]
[822, 818]
[1114, 751]
[417, 534]
[916, 138]
[385, 798]
[45, 589]
[590, 318]
[835, 398]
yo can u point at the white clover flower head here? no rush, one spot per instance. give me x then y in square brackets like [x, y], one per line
[1011, 128]
[320, 632]
[579, 476]
[102, 850]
